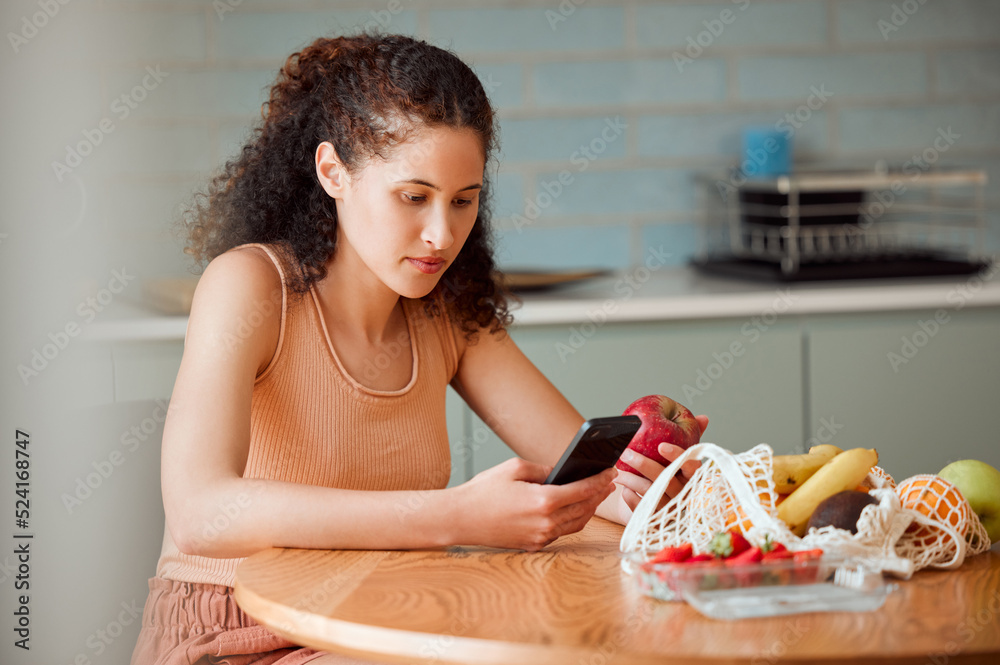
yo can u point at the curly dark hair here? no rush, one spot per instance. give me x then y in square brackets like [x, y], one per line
[348, 90]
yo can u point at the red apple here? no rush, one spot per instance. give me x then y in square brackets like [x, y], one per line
[663, 420]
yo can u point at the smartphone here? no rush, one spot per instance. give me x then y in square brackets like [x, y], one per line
[597, 446]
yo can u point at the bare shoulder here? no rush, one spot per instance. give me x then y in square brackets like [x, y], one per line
[243, 264]
[237, 308]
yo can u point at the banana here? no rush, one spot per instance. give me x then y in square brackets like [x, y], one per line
[825, 448]
[845, 471]
[790, 471]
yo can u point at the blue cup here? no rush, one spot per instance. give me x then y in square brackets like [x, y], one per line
[767, 152]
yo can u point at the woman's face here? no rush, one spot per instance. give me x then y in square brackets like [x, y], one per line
[402, 221]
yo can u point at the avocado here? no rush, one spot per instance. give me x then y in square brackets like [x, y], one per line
[841, 510]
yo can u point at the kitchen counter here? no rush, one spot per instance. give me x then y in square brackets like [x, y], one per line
[655, 295]
[684, 294]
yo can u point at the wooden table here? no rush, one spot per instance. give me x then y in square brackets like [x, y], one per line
[571, 604]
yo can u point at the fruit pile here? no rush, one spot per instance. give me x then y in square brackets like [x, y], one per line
[817, 498]
[824, 474]
[817, 490]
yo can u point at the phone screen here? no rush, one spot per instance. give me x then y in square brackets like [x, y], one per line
[597, 446]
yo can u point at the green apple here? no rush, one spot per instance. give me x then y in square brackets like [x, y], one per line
[979, 483]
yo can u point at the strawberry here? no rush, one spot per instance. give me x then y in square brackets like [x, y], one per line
[728, 544]
[740, 543]
[777, 555]
[808, 555]
[673, 554]
[669, 555]
[805, 572]
[772, 546]
[778, 574]
[752, 555]
[700, 558]
[746, 572]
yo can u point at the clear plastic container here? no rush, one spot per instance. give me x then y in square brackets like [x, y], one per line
[771, 588]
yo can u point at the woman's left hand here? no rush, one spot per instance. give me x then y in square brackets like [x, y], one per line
[633, 487]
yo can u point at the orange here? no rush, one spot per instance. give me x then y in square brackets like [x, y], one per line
[936, 498]
[732, 515]
[881, 473]
[735, 515]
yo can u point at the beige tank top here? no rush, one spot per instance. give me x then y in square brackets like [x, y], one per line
[313, 423]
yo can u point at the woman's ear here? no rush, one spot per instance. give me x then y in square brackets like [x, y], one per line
[331, 173]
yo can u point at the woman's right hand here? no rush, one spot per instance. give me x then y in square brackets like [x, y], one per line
[508, 506]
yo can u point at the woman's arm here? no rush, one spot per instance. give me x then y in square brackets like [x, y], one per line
[212, 510]
[514, 398]
[522, 406]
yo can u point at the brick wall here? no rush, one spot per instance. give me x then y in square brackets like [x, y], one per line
[625, 99]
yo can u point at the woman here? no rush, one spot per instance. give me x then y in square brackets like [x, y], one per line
[350, 282]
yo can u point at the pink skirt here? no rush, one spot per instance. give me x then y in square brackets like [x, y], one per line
[185, 623]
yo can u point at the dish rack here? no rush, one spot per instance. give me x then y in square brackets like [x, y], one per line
[844, 224]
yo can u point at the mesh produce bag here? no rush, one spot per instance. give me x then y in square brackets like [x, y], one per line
[944, 525]
[738, 490]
